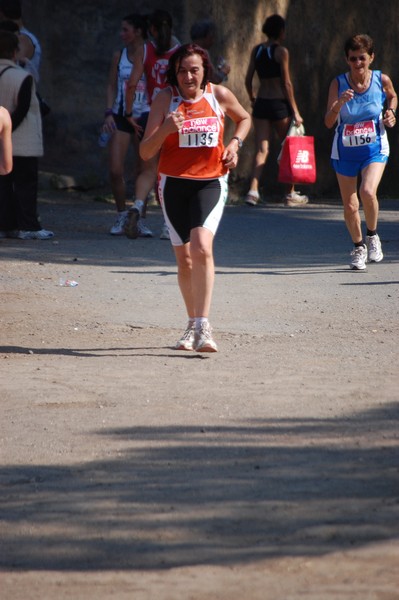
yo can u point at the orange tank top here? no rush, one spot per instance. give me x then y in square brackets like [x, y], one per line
[196, 151]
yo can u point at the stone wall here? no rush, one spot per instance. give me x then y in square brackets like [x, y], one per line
[79, 37]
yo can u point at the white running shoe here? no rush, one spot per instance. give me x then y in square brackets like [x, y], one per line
[131, 224]
[118, 227]
[252, 198]
[203, 340]
[164, 233]
[186, 341]
[358, 258]
[41, 234]
[144, 231]
[374, 250]
[296, 199]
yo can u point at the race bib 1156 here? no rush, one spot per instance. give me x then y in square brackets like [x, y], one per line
[359, 134]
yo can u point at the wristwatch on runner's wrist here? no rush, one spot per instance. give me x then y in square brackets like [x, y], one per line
[239, 141]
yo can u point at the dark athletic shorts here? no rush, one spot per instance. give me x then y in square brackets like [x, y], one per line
[122, 124]
[191, 203]
[272, 109]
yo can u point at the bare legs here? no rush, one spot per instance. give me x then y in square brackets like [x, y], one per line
[262, 140]
[145, 180]
[371, 177]
[282, 129]
[118, 148]
[263, 132]
[196, 272]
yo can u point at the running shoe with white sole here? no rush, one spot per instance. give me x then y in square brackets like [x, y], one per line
[296, 199]
[186, 341]
[203, 340]
[374, 250]
[252, 198]
[164, 233]
[118, 228]
[41, 234]
[131, 225]
[358, 258]
[144, 231]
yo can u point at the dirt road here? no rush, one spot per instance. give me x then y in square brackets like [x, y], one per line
[267, 471]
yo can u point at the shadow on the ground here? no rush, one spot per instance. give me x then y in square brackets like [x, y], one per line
[272, 236]
[174, 496]
[104, 352]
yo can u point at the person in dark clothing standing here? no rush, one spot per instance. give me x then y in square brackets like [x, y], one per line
[18, 189]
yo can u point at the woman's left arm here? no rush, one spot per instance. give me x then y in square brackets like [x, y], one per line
[240, 117]
[392, 101]
[282, 56]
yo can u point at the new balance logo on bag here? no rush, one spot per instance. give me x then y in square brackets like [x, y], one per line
[297, 163]
[302, 160]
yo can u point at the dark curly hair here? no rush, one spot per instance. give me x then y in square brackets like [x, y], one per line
[179, 55]
[362, 41]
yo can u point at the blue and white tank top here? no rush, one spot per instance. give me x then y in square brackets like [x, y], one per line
[140, 102]
[360, 132]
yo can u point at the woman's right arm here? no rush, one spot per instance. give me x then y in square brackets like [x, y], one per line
[250, 75]
[5, 142]
[335, 103]
[160, 124]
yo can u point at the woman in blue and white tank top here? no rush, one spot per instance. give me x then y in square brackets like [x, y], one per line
[361, 104]
[122, 133]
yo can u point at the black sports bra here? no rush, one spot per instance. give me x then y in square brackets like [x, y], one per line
[265, 64]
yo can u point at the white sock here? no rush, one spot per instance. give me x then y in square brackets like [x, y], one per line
[199, 321]
[139, 204]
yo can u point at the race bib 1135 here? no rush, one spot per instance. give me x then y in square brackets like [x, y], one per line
[197, 133]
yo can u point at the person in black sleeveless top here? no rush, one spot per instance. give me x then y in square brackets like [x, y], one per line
[274, 107]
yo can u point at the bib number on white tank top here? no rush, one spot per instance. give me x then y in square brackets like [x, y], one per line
[359, 134]
[140, 95]
[199, 133]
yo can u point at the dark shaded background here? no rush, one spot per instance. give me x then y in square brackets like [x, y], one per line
[78, 39]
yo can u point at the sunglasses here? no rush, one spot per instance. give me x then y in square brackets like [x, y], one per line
[362, 58]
